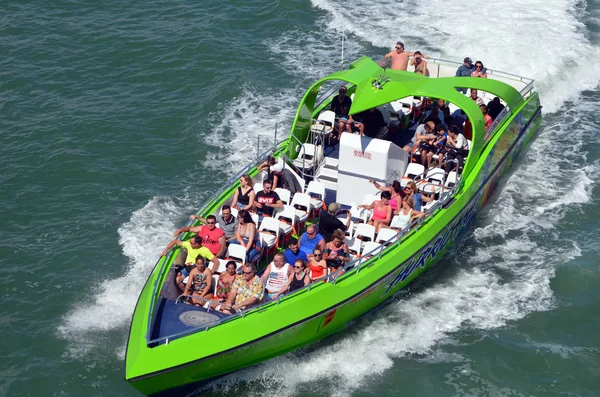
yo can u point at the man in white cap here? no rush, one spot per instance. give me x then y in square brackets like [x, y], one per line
[328, 223]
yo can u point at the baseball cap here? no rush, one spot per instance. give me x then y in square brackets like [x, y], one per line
[333, 207]
[468, 60]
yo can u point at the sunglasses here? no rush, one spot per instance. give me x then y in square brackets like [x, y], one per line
[250, 272]
[318, 255]
[298, 267]
[210, 223]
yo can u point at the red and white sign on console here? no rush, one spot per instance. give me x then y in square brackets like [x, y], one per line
[362, 155]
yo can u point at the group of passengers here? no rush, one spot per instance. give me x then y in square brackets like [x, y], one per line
[369, 123]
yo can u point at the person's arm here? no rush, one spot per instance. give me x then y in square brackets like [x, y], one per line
[275, 180]
[235, 198]
[247, 303]
[171, 245]
[278, 204]
[388, 217]
[427, 197]
[412, 62]
[283, 289]
[222, 245]
[348, 220]
[209, 282]
[188, 285]
[265, 274]
[321, 245]
[306, 279]
[264, 166]
[367, 206]
[215, 265]
[251, 238]
[250, 200]
[416, 214]
[193, 229]
[425, 71]
[379, 187]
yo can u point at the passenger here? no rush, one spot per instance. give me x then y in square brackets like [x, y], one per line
[289, 181]
[186, 258]
[311, 240]
[247, 236]
[225, 281]
[439, 145]
[199, 282]
[293, 253]
[465, 70]
[373, 123]
[274, 168]
[420, 64]
[443, 107]
[243, 198]
[276, 275]
[226, 221]
[435, 114]
[397, 194]
[355, 123]
[406, 215]
[336, 251]
[411, 191]
[458, 149]
[247, 290]
[382, 211]
[340, 105]
[328, 223]
[495, 107]
[213, 238]
[318, 265]
[267, 200]
[399, 57]
[487, 119]
[475, 97]
[423, 132]
[459, 117]
[300, 278]
[479, 71]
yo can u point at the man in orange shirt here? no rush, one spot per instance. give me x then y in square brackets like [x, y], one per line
[399, 57]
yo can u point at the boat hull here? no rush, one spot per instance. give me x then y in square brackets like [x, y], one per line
[394, 272]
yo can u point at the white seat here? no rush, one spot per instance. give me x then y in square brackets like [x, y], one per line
[215, 281]
[316, 190]
[450, 180]
[269, 232]
[367, 232]
[385, 234]
[368, 200]
[412, 171]
[255, 218]
[435, 175]
[234, 212]
[258, 186]
[350, 230]
[284, 194]
[354, 246]
[287, 218]
[327, 116]
[469, 144]
[309, 155]
[301, 202]
[236, 252]
[371, 248]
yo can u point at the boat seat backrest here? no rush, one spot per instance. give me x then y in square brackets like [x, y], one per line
[284, 194]
[270, 225]
[258, 186]
[413, 170]
[286, 214]
[435, 175]
[371, 248]
[451, 179]
[316, 190]
[236, 252]
[386, 234]
[328, 117]
[301, 201]
[365, 232]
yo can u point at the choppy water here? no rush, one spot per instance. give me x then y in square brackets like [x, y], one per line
[118, 119]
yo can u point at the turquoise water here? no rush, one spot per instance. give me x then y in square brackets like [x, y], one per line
[119, 119]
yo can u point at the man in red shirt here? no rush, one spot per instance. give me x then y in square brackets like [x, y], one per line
[213, 238]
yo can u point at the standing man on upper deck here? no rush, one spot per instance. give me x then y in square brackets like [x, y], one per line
[399, 57]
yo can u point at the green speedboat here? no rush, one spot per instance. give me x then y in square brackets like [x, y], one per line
[174, 346]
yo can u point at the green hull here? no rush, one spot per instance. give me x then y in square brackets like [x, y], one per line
[312, 314]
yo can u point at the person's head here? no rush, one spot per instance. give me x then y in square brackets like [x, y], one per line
[483, 108]
[409, 202]
[397, 187]
[196, 241]
[342, 91]
[479, 65]
[293, 245]
[245, 180]
[474, 93]
[333, 208]
[385, 197]
[279, 259]
[211, 221]
[267, 185]
[299, 265]
[399, 46]
[311, 231]
[338, 237]
[418, 54]
[244, 217]
[318, 254]
[453, 131]
[249, 271]
[441, 102]
[440, 129]
[200, 263]
[226, 212]
[411, 188]
[429, 126]
[271, 160]
[230, 267]
[468, 62]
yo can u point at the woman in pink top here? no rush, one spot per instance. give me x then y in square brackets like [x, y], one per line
[382, 211]
[396, 191]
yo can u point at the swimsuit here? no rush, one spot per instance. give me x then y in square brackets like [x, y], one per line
[379, 215]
